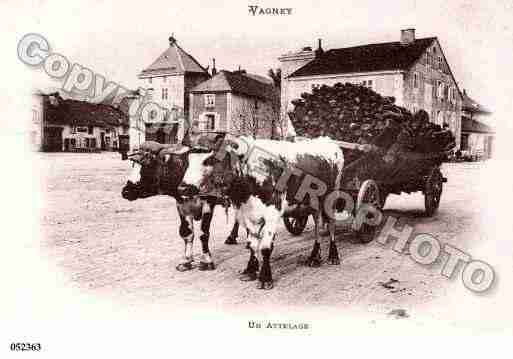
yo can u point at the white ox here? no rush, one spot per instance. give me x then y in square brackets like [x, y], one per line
[265, 179]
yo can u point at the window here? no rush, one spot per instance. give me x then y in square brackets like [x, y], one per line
[416, 80]
[164, 79]
[90, 130]
[366, 83]
[210, 100]
[82, 129]
[210, 122]
[164, 94]
[439, 91]
[440, 63]
[453, 95]
[414, 109]
[440, 118]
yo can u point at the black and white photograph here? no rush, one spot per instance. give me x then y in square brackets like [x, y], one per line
[263, 178]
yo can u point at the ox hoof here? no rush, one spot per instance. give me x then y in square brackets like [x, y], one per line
[206, 266]
[248, 277]
[313, 262]
[334, 261]
[184, 267]
[230, 241]
[265, 285]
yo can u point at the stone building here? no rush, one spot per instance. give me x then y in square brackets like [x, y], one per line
[168, 81]
[476, 135]
[414, 71]
[36, 127]
[235, 102]
[75, 126]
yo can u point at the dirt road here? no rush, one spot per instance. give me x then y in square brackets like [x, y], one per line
[128, 251]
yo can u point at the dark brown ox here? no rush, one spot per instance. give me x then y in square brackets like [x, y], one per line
[158, 170]
[266, 179]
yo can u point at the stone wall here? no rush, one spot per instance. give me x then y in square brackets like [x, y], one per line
[421, 90]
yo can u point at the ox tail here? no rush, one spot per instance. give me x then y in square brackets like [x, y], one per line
[339, 165]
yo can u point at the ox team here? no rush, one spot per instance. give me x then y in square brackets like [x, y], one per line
[199, 178]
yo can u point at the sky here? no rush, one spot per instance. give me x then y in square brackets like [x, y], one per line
[118, 38]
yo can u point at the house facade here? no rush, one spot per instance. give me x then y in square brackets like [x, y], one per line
[36, 123]
[234, 102]
[168, 81]
[477, 136]
[413, 71]
[72, 125]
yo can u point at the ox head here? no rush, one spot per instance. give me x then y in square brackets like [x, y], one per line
[212, 173]
[156, 169]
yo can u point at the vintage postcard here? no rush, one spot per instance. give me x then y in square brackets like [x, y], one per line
[262, 177]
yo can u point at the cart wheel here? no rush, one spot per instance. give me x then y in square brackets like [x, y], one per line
[367, 195]
[433, 191]
[295, 225]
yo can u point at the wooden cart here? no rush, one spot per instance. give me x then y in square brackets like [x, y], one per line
[369, 177]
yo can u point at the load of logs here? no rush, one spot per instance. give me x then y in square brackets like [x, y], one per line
[357, 114]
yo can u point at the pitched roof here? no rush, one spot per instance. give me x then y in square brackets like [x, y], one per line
[236, 82]
[471, 125]
[471, 105]
[61, 111]
[366, 58]
[173, 61]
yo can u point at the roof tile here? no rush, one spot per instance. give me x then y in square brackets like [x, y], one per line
[236, 82]
[366, 58]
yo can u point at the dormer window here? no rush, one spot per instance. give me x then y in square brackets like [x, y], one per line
[210, 100]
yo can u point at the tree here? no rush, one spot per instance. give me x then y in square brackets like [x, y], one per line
[275, 75]
[277, 124]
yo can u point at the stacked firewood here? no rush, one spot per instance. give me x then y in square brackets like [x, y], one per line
[357, 114]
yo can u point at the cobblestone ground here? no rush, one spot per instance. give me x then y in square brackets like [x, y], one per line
[127, 251]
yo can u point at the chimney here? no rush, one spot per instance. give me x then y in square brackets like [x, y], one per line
[319, 51]
[172, 40]
[407, 36]
[214, 70]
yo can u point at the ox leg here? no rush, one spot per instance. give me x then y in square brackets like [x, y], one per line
[232, 238]
[187, 234]
[315, 256]
[266, 247]
[206, 262]
[333, 251]
[250, 273]
[265, 277]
